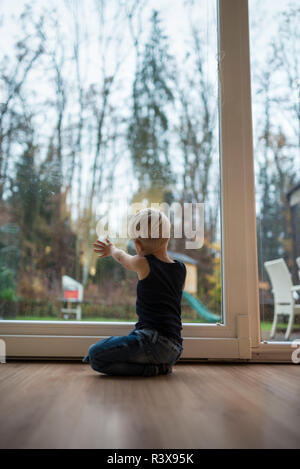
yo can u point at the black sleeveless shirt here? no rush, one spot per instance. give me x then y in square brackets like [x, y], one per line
[158, 303]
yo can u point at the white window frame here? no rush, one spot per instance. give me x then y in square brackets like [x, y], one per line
[239, 337]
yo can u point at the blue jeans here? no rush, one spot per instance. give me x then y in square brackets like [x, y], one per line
[144, 352]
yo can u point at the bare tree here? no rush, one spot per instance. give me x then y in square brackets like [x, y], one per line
[286, 52]
[198, 120]
[13, 77]
[99, 99]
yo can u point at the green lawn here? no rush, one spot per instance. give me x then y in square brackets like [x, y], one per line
[45, 318]
[265, 326]
[98, 319]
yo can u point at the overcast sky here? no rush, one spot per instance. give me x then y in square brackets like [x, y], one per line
[176, 23]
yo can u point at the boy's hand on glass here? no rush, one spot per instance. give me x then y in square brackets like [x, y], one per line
[104, 249]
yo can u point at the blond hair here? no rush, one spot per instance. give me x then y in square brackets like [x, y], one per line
[151, 227]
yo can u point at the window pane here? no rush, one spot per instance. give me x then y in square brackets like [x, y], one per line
[275, 53]
[104, 104]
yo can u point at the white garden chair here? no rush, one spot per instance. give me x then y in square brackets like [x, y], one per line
[298, 263]
[284, 294]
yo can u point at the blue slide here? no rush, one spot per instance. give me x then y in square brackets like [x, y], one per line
[201, 310]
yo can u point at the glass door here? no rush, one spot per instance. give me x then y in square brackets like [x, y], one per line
[105, 105]
[275, 75]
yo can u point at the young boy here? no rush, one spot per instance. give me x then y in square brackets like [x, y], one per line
[155, 344]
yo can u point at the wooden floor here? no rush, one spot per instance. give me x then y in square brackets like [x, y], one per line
[67, 405]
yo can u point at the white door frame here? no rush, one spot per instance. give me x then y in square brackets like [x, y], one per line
[239, 337]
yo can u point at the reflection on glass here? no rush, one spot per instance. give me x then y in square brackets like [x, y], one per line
[275, 52]
[102, 103]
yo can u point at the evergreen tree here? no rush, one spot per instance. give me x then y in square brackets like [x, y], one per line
[148, 128]
[25, 192]
[47, 249]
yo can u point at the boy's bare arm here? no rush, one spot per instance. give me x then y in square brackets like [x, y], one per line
[129, 262]
[126, 260]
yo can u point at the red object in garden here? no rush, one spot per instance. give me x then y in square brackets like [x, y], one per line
[71, 294]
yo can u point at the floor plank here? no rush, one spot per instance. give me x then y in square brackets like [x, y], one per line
[67, 405]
